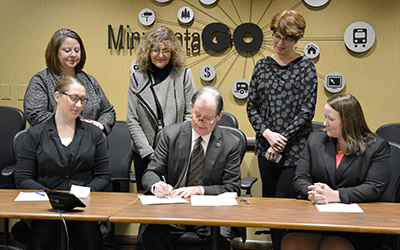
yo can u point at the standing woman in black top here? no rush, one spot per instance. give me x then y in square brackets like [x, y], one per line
[281, 105]
[58, 153]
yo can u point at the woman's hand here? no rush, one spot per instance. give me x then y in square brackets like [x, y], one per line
[276, 140]
[97, 124]
[321, 193]
[271, 155]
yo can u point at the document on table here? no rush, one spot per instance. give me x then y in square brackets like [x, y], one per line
[32, 196]
[225, 199]
[339, 207]
[153, 200]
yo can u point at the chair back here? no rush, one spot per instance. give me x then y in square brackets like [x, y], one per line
[390, 132]
[392, 192]
[228, 120]
[11, 121]
[317, 126]
[239, 134]
[120, 156]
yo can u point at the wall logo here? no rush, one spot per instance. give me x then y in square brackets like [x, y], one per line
[311, 50]
[334, 82]
[359, 37]
[240, 88]
[185, 14]
[147, 17]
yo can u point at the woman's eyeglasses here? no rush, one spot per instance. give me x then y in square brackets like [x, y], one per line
[284, 39]
[163, 51]
[76, 98]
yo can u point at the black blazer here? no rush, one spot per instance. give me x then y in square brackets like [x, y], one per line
[44, 163]
[359, 178]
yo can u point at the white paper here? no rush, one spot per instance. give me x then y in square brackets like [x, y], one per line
[153, 200]
[32, 196]
[339, 207]
[213, 200]
[80, 191]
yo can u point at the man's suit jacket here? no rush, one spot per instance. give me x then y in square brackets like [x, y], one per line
[221, 171]
[358, 178]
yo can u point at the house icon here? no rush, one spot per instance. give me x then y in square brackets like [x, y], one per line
[311, 49]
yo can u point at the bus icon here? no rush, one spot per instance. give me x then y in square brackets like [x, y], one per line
[360, 36]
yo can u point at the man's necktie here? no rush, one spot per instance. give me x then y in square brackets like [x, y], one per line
[196, 165]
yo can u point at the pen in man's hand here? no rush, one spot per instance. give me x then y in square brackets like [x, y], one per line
[245, 201]
[164, 180]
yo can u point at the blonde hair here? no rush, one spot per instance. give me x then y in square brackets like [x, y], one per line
[289, 23]
[152, 39]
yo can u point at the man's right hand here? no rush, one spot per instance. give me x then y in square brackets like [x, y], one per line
[162, 189]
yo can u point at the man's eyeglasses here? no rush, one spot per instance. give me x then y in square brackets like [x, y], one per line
[284, 39]
[163, 51]
[204, 121]
[76, 98]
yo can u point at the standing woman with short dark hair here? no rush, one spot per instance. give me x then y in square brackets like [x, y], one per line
[159, 92]
[280, 107]
[66, 55]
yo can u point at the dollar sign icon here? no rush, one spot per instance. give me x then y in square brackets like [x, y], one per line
[207, 72]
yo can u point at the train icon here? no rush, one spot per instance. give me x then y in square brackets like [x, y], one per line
[360, 37]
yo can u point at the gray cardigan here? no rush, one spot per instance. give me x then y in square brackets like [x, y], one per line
[39, 102]
[174, 95]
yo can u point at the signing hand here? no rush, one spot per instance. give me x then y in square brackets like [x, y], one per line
[321, 193]
[186, 192]
[276, 140]
[162, 189]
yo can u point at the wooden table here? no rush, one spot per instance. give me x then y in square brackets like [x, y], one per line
[99, 207]
[268, 213]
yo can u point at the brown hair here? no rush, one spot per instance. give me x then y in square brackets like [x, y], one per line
[152, 39]
[355, 130]
[51, 55]
[289, 23]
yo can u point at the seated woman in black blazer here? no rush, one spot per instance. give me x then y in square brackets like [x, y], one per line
[347, 163]
[58, 153]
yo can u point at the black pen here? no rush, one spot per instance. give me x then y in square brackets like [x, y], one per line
[245, 201]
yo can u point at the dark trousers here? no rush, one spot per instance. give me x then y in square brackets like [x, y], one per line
[140, 166]
[276, 182]
[163, 237]
[44, 234]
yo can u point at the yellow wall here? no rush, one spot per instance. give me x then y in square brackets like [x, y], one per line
[26, 27]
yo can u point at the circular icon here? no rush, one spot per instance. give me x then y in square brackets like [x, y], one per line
[316, 3]
[359, 37]
[334, 82]
[311, 50]
[147, 17]
[185, 14]
[208, 2]
[240, 88]
[207, 72]
[134, 67]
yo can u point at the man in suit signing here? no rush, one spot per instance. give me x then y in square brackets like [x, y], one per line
[194, 158]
